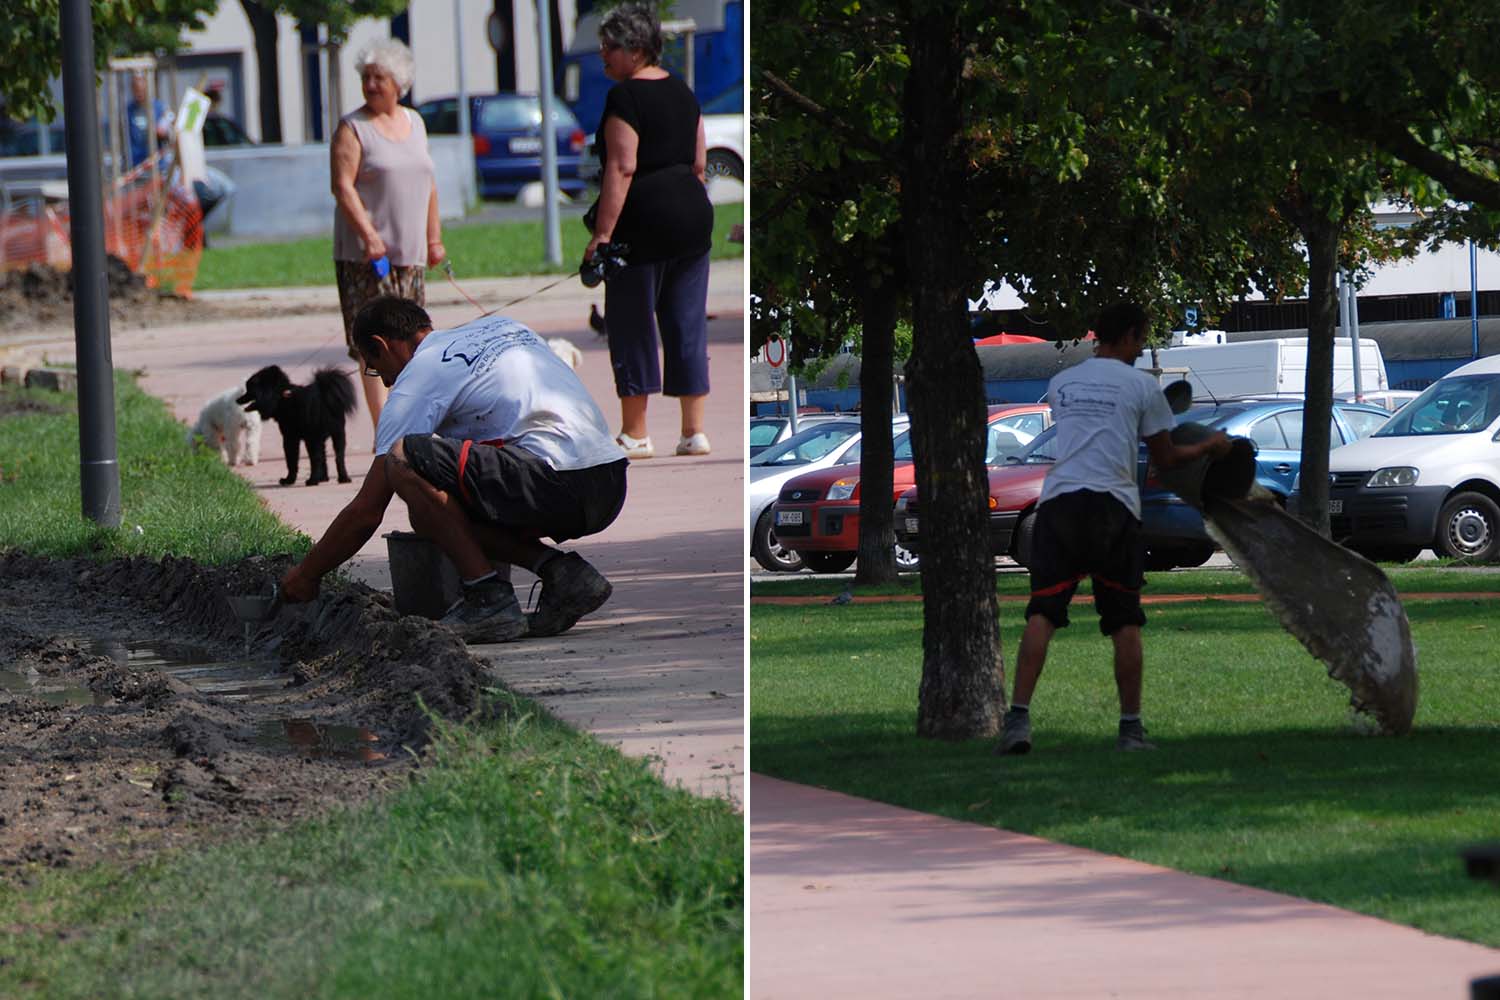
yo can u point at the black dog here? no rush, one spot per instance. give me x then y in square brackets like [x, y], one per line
[310, 414]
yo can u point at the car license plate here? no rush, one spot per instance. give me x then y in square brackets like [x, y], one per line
[911, 526]
[525, 145]
[1335, 506]
[788, 517]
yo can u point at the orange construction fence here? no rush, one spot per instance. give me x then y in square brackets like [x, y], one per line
[154, 226]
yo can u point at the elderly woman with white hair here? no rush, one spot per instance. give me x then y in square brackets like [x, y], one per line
[385, 228]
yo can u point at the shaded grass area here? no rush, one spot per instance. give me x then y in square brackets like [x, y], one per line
[1262, 778]
[1437, 577]
[174, 500]
[477, 250]
[525, 860]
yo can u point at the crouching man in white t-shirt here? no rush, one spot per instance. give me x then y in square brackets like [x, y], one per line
[1088, 518]
[493, 443]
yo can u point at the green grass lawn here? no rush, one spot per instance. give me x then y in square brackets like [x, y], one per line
[477, 250]
[1427, 577]
[1261, 777]
[524, 858]
[173, 500]
[527, 860]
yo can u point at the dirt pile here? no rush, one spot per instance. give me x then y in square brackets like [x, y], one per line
[42, 296]
[102, 757]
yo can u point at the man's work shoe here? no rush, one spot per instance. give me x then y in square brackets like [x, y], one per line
[1015, 736]
[488, 612]
[1133, 737]
[571, 588]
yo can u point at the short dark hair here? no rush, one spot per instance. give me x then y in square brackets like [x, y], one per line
[391, 317]
[1119, 319]
[634, 27]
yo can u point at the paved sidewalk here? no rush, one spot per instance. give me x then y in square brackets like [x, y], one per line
[852, 898]
[659, 669]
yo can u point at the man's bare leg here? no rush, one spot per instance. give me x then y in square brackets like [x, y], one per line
[1015, 737]
[1128, 669]
[1031, 657]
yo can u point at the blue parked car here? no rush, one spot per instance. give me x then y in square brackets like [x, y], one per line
[1174, 531]
[507, 131]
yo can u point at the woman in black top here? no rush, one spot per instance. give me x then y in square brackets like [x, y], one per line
[653, 200]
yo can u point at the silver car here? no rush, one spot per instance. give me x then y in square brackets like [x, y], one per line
[815, 447]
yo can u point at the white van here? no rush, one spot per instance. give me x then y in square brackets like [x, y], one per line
[1429, 478]
[1275, 367]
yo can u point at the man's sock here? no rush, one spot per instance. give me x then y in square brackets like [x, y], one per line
[1125, 719]
[491, 575]
[1020, 709]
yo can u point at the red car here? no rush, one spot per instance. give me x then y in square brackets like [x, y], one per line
[817, 514]
[1014, 491]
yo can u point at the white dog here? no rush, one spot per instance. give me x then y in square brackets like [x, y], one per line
[565, 350]
[224, 424]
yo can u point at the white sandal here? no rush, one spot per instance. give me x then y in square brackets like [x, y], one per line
[635, 447]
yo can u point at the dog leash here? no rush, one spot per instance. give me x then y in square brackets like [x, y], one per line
[447, 267]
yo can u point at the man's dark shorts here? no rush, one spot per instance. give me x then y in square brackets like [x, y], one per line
[1080, 534]
[511, 487]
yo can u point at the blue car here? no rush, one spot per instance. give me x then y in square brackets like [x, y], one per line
[507, 131]
[1174, 531]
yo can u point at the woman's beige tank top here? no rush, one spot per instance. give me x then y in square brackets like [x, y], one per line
[394, 183]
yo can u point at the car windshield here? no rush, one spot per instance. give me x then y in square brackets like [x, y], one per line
[763, 432]
[807, 446]
[501, 114]
[1453, 405]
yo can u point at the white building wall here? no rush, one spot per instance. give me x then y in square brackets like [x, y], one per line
[433, 41]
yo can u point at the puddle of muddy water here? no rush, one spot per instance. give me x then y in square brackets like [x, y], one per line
[235, 680]
[46, 689]
[316, 739]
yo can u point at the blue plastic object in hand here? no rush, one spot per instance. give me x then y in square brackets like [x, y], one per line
[382, 266]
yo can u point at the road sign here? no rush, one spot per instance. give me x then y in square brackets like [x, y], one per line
[775, 355]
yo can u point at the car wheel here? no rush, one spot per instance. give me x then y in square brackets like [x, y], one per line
[907, 561]
[1469, 528]
[722, 163]
[828, 562]
[1160, 560]
[769, 552]
[1194, 555]
[1020, 548]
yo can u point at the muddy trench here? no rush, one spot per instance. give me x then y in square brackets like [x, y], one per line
[136, 714]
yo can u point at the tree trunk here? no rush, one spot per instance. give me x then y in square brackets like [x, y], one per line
[962, 689]
[1322, 236]
[263, 26]
[877, 537]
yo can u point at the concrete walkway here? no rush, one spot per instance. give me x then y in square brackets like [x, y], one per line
[658, 670]
[852, 898]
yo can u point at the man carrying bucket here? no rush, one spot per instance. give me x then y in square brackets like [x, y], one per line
[1089, 515]
[493, 443]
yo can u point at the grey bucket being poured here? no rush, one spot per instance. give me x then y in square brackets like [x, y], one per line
[1226, 478]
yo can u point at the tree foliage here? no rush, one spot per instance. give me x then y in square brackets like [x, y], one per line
[31, 42]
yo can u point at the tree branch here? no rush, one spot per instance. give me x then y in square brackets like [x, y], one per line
[817, 112]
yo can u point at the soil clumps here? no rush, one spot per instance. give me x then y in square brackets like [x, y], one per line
[102, 758]
[42, 296]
